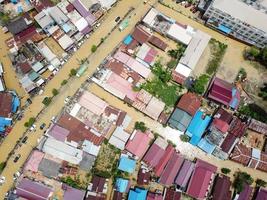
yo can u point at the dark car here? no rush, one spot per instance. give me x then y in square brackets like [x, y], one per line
[42, 126]
[17, 158]
[117, 19]
[24, 140]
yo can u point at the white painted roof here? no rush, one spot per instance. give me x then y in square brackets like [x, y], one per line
[179, 34]
[46, 52]
[149, 19]
[107, 3]
[62, 151]
[182, 69]
[195, 49]
[65, 41]
[81, 24]
[90, 148]
[243, 12]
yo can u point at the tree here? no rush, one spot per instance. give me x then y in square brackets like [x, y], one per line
[64, 82]
[261, 183]
[225, 170]
[263, 92]
[177, 53]
[55, 92]
[171, 64]
[184, 138]
[200, 84]
[93, 48]
[2, 166]
[240, 180]
[73, 72]
[46, 101]
[140, 126]
[163, 74]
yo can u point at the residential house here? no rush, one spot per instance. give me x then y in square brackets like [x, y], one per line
[140, 34]
[155, 152]
[121, 185]
[126, 164]
[137, 194]
[184, 111]
[171, 194]
[117, 195]
[171, 170]
[143, 176]
[58, 16]
[138, 143]
[18, 25]
[154, 196]
[183, 176]
[221, 189]
[44, 20]
[119, 138]
[32, 190]
[246, 193]
[258, 126]
[224, 93]
[71, 193]
[98, 185]
[197, 127]
[200, 182]
[157, 42]
[261, 194]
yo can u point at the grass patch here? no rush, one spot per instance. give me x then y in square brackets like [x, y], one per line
[218, 50]
[106, 161]
[161, 87]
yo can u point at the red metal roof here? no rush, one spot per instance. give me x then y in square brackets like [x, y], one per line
[157, 42]
[143, 177]
[171, 194]
[164, 160]
[237, 127]
[241, 154]
[189, 103]
[220, 125]
[153, 155]
[172, 168]
[140, 35]
[228, 143]
[78, 130]
[154, 196]
[25, 67]
[5, 104]
[200, 181]
[221, 91]
[98, 184]
[178, 78]
[221, 189]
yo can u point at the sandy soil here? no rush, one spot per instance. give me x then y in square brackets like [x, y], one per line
[69, 89]
[11, 80]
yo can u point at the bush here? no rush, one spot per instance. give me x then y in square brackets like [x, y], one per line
[172, 64]
[254, 111]
[30, 122]
[46, 101]
[200, 84]
[261, 183]
[140, 126]
[64, 82]
[184, 138]
[240, 180]
[55, 92]
[93, 48]
[2, 166]
[225, 170]
[73, 72]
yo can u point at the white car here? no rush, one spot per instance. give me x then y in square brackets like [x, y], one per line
[32, 127]
[53, 119]
[67, 100]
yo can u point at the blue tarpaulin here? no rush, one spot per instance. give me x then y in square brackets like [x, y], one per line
[224, 29]
[137, 194]
[121, 185]
[128, 40]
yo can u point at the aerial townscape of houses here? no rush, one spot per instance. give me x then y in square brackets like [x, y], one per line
[94, 150]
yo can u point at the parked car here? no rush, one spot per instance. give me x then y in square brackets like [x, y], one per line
[17, 158]
[67, 100]
[117, 19]
[42, 126]
[53, 119]
[33, 127]
[24, 140]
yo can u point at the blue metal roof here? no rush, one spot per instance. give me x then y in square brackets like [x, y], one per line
[121, 185]
[128, 40]
[206, 146]
[15, 104]
[137, 194]
[126, 164]
[197, 127]
[224, 29]
[4, 122]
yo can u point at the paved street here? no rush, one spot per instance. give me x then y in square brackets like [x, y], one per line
[120, 10]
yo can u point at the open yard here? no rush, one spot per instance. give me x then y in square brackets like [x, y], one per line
[106, 161]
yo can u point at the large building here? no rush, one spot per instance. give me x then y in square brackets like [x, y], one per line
[244, 20]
